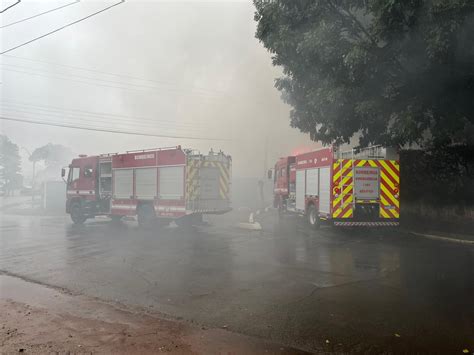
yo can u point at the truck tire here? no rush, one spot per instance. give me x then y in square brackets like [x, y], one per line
[146, 216]
[313, 217]
[77, 214]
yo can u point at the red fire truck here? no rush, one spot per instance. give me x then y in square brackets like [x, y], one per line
[355, 189]
[155, 185]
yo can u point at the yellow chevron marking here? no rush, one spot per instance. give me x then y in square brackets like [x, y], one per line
[344, 168]
[346, 178]
[385, 203]
[192, 175]
[222, 184]
[192, 172]
[337, 212]
[348, 199]
[192, 181]
[347, 190]
[384, 213]
[386, 180]
[224, 172]
[223, 189]
[390, 196]
[362, 163]
[346, 194]
[387, 168]
[222, 194]
[372, 163]
[334, 167]
[347, 166]
[348, 214]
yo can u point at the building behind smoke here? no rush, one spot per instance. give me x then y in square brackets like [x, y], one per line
[349, 150]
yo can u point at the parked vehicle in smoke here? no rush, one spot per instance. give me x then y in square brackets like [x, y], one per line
[342, 189]
[162, 184]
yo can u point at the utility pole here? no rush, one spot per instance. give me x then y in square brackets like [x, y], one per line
[261, 183]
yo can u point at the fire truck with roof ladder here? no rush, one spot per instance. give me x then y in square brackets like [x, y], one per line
[160, 184]
[341, 188]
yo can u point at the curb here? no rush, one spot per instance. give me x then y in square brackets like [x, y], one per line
[444, 239]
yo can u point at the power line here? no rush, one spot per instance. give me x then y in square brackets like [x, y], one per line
[109, 123]
[110, 130]
[160, 82]
[63, 27]
[85, 112]
[40, 14]
[9, 7]
[126, 87]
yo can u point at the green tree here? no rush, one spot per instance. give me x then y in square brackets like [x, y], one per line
[395, 71]
[10, 165]
[54, 157]
[52, 154]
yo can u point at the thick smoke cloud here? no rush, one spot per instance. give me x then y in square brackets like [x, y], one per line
[211, 78]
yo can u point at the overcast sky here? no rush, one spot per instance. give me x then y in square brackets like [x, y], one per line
[206, 76]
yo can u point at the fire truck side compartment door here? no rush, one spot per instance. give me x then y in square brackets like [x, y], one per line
[324, 189]
[300, 189]
[145, 183]
[123, 183]
[312, 182]
[171, 182]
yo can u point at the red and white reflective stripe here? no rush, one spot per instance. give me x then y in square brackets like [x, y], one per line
[171, 208]
[369, 224]
[81, 192]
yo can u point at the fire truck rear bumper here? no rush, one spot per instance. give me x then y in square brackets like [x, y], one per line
[366, 224]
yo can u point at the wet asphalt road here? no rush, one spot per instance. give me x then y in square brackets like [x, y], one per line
[328, 290]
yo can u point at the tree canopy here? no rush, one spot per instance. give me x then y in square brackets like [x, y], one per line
[52, 155]
[10, 164]
[396, 72]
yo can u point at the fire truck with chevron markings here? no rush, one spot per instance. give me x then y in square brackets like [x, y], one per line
[155, 185]
[339, 188]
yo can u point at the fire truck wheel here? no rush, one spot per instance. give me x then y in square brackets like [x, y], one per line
[77, 215]
[146, 216]
[313, 217]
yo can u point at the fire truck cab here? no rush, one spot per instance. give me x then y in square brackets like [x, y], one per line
[157, 184]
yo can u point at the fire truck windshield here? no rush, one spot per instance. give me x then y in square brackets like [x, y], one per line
[74, 173]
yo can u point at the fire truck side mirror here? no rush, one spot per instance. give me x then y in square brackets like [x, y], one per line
[63, 172]
[269, 174]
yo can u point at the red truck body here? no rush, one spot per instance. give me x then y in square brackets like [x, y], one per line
[344, 192]
[166, 183]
